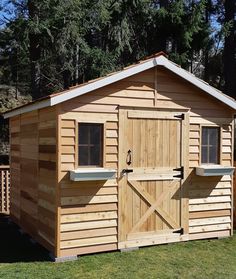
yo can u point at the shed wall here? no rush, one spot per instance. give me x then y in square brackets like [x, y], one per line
[89, 210]
[88, 221]
[33, 174]
[71, 218]
[210, 203]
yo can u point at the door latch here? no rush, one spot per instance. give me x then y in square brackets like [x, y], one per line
[125, 171]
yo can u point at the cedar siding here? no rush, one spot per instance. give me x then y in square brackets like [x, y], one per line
[74, 218]
[33, 174]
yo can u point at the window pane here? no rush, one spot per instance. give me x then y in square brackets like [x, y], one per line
[95, 155]
[213, 155]
[204, 136]
[210, 145]
[83, 133]
[83, 155]
[95, 132]
[213, 136]
[90, 144]
[204, 155]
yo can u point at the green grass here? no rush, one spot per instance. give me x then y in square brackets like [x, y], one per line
[195, 259]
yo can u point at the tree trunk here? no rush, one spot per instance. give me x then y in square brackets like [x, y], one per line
[206, 55]
[35, 52]
[208, 12]
[229, 59]
[66, 79]
[76, 65]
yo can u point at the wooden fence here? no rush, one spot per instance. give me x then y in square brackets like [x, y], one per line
[4, 189]
[234, 197]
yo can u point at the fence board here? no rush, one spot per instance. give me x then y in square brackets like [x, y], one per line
[4, 189]
[234, 198]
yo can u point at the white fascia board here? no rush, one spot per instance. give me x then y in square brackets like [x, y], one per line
[72, 93]
[158, 61]
[28, 108]
[104, 82]
[162, 61]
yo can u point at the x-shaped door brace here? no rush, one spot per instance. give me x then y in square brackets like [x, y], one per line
[154, 206]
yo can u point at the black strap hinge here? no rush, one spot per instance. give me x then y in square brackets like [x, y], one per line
[181, 170]
[180, 231]
[180, 116]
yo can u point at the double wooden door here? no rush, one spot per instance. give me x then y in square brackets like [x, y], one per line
[151, 164]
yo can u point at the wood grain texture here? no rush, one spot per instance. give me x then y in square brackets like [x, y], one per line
[71, 218]
[149, 198]
[165, 91]
[33, 179]
[88, 210]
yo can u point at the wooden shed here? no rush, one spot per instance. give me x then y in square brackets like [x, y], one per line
[140, 157]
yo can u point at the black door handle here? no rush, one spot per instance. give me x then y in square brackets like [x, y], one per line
[129, 158]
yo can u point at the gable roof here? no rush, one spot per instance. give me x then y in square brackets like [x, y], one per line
[158, 59]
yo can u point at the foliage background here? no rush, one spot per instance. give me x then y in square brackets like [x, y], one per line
[50, 45]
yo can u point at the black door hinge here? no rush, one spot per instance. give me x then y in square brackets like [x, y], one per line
[180, 231]
[180, 116]
[181, 170]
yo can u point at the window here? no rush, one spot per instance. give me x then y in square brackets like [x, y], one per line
[90, 144]
[210, 145]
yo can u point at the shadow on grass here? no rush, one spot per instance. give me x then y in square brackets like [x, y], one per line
[17, 247]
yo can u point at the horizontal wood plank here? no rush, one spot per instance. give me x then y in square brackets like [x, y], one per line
[88, 225]
[88, 199]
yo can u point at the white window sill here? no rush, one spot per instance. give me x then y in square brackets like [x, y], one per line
[214, 170]
[92, 174]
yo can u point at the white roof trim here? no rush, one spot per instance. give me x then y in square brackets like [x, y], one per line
[158, 61]
[28, 108]
[104, 82]
[197, 82]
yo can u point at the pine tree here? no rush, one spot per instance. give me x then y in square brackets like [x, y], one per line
[62, 43]
[229, 56]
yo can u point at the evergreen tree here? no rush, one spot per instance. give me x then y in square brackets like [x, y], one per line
[56, 43]
[229, 56]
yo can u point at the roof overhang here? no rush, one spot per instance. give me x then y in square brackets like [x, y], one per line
[127, 72]
[198, 83]
[28, 108]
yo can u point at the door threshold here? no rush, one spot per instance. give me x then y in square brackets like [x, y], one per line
[138, 235]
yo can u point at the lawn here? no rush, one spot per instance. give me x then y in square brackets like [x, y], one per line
[19, 258]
